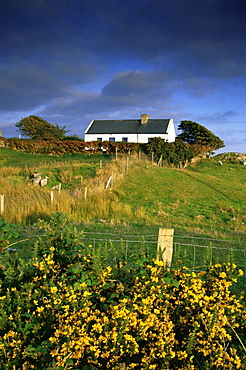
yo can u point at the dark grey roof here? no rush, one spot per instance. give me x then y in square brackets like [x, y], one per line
[129, 126]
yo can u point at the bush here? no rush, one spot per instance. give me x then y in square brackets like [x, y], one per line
[177, 153]
[61, 310]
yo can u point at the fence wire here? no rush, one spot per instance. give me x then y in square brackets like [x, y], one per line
[194, 252]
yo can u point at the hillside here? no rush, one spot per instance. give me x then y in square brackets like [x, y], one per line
[205, 198]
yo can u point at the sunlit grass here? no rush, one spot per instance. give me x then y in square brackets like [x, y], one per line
[204, 199]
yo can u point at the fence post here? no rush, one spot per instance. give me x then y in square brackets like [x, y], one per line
[52, 197]
[85, 192]
[165, 246]
[59, 188]
[1, 204]
[116, 153]
[127, 164]
[108, 182]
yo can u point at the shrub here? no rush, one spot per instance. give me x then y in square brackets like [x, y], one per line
[61, 310]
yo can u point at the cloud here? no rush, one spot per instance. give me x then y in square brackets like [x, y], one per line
[25, 85]
[218, 117]
[127, 91]
[200, 37]
[73, 61]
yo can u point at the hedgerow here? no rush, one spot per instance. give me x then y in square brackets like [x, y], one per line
[69, 146]
[62, 309]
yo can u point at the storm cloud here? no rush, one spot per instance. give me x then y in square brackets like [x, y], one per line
[72, 61]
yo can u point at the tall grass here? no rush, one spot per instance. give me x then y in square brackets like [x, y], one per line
[83, 200]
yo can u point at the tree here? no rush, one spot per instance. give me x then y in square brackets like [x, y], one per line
[38, 129]
[177, 153]
[193, 133]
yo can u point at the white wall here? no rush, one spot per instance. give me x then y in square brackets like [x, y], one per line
[106, 137]
[171, 131]
[132, 138]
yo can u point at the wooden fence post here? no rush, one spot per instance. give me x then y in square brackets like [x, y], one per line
[59, 188]
[165, 246]
[127, 164]
[108, 182]
[116, 153]
[1, 204]
[85, 192]
[52, 197]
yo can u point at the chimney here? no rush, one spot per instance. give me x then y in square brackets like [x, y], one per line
[144, 118]
[1, 133]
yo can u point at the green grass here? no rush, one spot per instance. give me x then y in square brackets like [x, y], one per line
[66, 169]
[9, 157]
[208, 199]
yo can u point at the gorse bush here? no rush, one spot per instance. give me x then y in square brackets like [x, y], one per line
[62, 309]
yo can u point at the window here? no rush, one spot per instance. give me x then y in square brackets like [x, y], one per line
[125, 139]
[99, 139]
[112, 139]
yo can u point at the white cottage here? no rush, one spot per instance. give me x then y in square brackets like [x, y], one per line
[130, 130]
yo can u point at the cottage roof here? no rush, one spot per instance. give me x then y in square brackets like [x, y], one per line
[129, 126]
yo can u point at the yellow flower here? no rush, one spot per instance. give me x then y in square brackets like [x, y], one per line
[52, 339]
[124, 300]
[53, 289]
[159, 263]
[86, 293]
[222, 274]
[40, 309]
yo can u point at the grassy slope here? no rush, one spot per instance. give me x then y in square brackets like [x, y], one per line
[207, 198]
[204, 199]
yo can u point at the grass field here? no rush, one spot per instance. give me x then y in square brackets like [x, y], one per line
[206, 198]
[206, 201]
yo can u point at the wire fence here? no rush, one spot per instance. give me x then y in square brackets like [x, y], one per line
[194, 252]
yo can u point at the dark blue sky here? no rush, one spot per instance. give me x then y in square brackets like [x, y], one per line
[71, 61]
